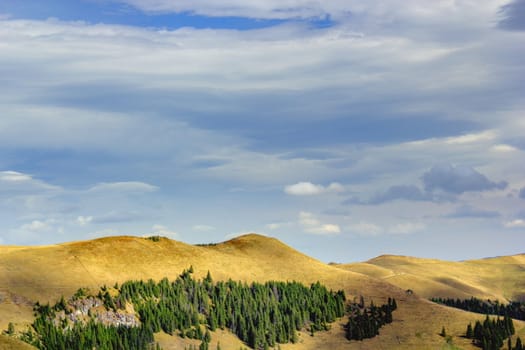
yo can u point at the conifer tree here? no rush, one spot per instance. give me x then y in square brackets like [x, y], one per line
[470, 332]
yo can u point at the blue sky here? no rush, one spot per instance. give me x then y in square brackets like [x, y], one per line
[347, 129]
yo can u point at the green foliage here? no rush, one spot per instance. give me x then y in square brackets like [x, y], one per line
[490, 334]
[518, 346]
[10, 329]
[80, 293]
[261, 315]
[154, 238]
[470, 332]
[365, 322]
[514, 309]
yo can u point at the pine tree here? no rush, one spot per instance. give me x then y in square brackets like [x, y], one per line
[470, 332]
[519, 346]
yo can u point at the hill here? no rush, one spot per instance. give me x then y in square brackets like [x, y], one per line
[28, 274]
[501, 278]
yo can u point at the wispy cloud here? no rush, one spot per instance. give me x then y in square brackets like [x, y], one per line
[467, 211]
[364, 228]
[161, 230]
[124, 187]
[19, 183]
[517, 223]
[502, 148]
[84, 220]
[310, 189]
[311, 224]
[37, 225]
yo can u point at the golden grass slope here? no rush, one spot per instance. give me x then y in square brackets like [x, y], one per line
[501, 278]
[45, 273]
[9, 343]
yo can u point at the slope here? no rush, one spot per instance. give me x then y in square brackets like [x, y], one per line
[45, 273]
[501, 278]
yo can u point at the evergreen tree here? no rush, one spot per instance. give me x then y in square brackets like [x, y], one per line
[470, 332]
[519, 346]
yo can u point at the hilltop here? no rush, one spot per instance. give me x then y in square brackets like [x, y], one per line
[44, 273]
[499, 278]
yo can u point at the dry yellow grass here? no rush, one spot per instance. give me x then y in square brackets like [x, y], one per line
[501, 278]
[45, 273]
[8, 343]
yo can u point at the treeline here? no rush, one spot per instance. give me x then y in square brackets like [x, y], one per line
[490, 334]
[488, 307]
[365, 322]
[92, 335]
[261, 315]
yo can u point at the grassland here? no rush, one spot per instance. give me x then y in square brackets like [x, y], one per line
[45, 273]
[501, 278]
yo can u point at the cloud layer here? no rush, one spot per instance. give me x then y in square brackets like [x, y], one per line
[205, 125]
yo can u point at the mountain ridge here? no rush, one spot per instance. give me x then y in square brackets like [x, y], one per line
[44, 273]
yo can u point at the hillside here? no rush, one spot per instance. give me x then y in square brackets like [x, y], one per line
[501, 278]
[8, 343]
[28, 274]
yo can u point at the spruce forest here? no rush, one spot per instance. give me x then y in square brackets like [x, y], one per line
[513, 309]
[261, 315]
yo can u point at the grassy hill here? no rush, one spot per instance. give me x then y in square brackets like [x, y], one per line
[501, 278]
[45, 273]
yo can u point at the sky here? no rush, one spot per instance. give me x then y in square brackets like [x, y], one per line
[347, 129]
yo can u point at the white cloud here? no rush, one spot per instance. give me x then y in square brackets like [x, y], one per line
[487, 135]
[161, 230]
[293, 9]
[17, 183]
[366, 229]
[14, 176]
[84, 220]
[274, 226]
[124, 187]
[309, 189]
[37, 226]
[518, 223]
[503, 148]
[311, 224]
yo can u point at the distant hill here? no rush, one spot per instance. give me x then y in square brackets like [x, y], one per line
[28, 274]
[501, 278]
